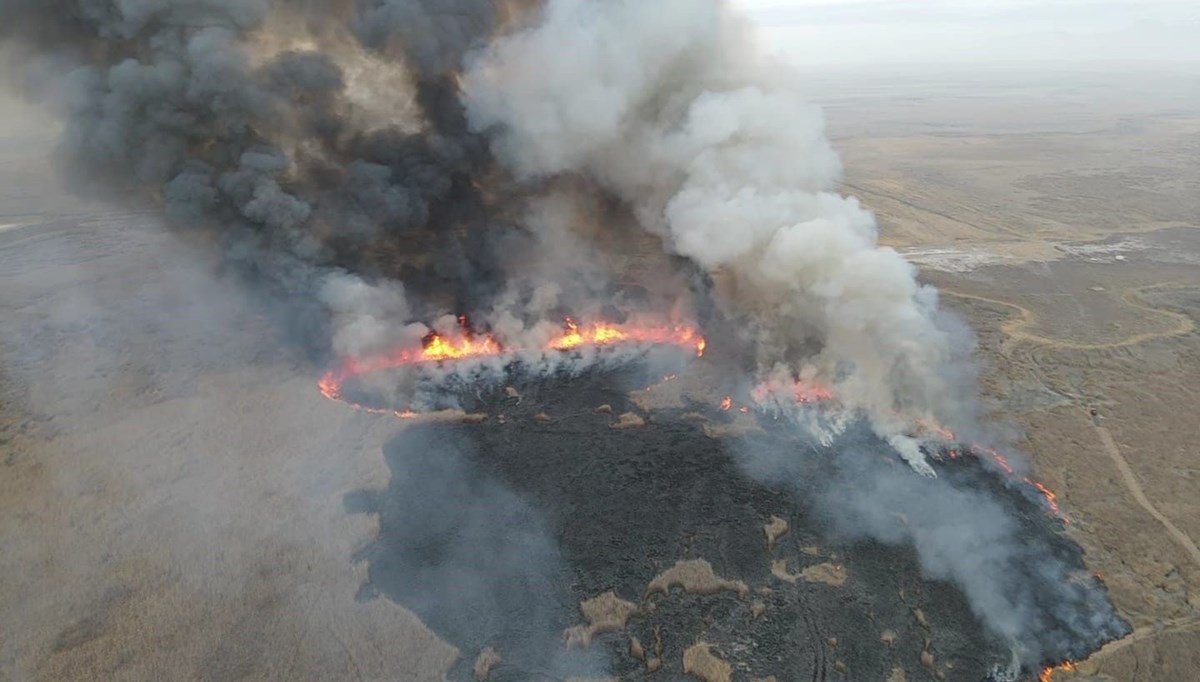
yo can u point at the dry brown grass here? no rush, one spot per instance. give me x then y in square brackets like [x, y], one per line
[699, 661]
[485, 662]
[695, 576]
[774, 529]
[628, 420]
[606, 613]
[826, 574]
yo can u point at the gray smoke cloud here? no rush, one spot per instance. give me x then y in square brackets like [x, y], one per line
[311, 140]
[376, 165]
[1025, 590]
[669, 106]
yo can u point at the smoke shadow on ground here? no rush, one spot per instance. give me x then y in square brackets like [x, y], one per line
[494, 533]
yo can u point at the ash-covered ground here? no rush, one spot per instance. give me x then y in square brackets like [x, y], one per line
[546, 543]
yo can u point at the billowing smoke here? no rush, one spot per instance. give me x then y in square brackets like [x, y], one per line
[378, 165]
[315, 142]
[669, 106]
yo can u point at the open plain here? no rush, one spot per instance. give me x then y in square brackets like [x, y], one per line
[1058, 212]
[172, 486]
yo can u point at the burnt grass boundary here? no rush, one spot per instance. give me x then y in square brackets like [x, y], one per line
[493, 533]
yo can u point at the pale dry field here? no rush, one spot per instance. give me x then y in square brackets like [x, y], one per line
[167, 513]
[1060, 213]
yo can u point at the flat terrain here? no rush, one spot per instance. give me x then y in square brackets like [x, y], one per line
[170, 492]
[1060, 213]
[190, 513]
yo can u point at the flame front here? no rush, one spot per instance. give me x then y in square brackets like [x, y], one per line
[808, 393]
[602, 334]
[467, 345]
[1048, 674]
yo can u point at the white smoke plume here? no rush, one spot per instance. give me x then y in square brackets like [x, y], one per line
[524, 139]
[670, 106]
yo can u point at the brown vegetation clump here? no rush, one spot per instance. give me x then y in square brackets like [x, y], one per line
[606, 613]
[488, 659]
[779, 569]
[927, 659]
[629, 420]
[741, 425]
[774, 529]
[695, 576]
[826, 574]
[699, 661]
[446, 417]
[636, 650]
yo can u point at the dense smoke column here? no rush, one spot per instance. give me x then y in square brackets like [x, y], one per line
[669, 106]
[239, 116]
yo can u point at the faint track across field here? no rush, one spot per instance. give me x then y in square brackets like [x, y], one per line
[1015, 328]
[1135, 488]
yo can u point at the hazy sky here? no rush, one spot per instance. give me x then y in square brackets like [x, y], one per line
[890, 31]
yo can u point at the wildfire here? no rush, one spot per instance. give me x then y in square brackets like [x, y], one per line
[806, 393]
[1000, 460]
[602, 334]
[726, 403]
[1048, 673]
[467, 345]
[803, 392]
[1051, 498]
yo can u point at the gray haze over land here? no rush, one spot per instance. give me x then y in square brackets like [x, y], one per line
[263, 136]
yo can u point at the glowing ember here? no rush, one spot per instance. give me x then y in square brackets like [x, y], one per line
[666, 379]
[1048, 674]
[803, 392]
[727, 402]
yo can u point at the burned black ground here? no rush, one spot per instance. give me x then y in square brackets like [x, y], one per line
[493, 534]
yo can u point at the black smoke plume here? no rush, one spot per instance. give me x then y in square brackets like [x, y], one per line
[371, 163]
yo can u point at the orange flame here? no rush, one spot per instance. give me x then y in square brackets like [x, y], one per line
[438, 348]
[1051, 498]
[1048, 673]
[727, 402]
[602, 334]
